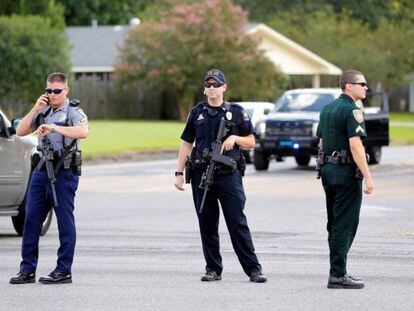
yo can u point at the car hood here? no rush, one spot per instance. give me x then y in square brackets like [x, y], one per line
[294, 116]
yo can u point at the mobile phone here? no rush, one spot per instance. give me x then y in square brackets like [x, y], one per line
[47, 100]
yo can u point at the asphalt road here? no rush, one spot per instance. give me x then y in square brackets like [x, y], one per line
[138, 244]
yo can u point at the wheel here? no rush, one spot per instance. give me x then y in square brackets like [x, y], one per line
[260, 160]
[375, 154]
[18, 221]
[302, 160]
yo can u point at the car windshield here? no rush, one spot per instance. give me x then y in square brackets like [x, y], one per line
[303, 102]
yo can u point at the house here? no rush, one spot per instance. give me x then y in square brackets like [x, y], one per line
[95, 51]
[290, 57]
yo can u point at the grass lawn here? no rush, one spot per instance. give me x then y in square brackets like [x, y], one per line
[402, 116]
[115, 137]
[112, 137]
[401, 135]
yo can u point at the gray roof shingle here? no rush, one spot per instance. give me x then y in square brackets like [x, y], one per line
[95, 47]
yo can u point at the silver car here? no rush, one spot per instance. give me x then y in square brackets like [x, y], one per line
[15, 173]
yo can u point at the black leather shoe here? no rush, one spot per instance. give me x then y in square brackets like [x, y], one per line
[56, 278]
[354, 278]
[210, 277]
[258, 277]
[23, 278]
[345, 282]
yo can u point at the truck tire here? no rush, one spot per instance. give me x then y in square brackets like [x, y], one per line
[18, 221]
[375, 154]
[302, 160]
[260, 160]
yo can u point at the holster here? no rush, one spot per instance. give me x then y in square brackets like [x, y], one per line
[76, 162]
[241, 164]
[35, 159]
[188, 169]
[320, 161]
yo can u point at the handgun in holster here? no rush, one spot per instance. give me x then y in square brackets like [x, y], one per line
[77, 162]
[320, 161]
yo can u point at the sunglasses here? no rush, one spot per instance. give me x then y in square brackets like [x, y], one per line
[55, 91]
[214, 84]
[363, 84]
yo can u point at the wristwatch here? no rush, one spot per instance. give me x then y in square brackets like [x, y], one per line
[53, 129]
[178, 174]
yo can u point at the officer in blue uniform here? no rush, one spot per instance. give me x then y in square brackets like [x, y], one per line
[202, 128]
[64, 124]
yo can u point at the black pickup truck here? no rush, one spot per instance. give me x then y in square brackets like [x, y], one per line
[290, 130]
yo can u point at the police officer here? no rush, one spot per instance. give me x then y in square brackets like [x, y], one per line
[340, 129]
[64, 124]
[202, 128]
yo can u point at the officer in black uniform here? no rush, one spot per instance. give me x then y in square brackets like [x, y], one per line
[342, 161]
[62, 123]
[202, 128]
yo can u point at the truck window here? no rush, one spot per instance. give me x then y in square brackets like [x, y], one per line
[303, 102]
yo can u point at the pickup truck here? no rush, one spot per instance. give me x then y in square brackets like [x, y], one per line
[15, 173]
[290, 129]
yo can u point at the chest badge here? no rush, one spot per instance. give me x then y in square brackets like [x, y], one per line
[229, 115]
[200, 117]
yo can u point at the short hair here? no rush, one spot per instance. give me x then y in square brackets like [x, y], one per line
[57, 77]
[349, 76]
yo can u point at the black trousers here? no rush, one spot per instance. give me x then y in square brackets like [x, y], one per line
[343, 203]
[228, 190]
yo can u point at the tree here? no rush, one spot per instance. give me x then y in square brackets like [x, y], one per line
[30, 48]
[105, 12]
[175, 51]
[44, 8]
[369, 12]
[382, 53]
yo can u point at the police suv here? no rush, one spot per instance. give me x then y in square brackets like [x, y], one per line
[290, 129]
[15, 173]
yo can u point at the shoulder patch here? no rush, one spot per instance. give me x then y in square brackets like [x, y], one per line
[359, 117]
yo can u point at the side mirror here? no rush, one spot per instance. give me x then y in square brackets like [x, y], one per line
[15, 122]
[266, 111]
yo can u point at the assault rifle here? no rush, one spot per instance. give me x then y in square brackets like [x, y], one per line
[214, 158]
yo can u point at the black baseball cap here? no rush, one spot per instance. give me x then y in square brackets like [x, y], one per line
[216, 74]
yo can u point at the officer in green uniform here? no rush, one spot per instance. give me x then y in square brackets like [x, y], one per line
[343, 168]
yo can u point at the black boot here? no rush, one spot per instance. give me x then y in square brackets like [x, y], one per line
[210, 276]
[345, 282]
[258, 277]
[23, 278]
[56, 278]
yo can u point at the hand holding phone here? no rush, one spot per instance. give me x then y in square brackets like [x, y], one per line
[42, 102]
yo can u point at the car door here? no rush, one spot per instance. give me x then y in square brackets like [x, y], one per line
[11, 165]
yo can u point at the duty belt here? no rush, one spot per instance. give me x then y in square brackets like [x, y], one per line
[338, 160]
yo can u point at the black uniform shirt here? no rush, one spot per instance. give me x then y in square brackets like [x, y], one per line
[340, 120]
[203, 124]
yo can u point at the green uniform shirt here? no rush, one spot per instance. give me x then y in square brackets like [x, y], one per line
[340, 120]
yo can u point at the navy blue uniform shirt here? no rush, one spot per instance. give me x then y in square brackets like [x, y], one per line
[204, 121]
